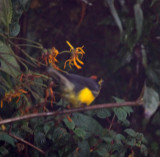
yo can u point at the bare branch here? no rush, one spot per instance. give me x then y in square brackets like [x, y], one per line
[26, 142]
[67, 111]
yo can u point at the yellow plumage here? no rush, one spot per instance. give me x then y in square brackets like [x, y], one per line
[77, 90]
[85, 96]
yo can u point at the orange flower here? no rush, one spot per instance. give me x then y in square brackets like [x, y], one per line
[53, 54]
[50, 57]
[13, 94]
[50, 92]
[75, 52]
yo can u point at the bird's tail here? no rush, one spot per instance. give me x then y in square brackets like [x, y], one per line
[60, 78]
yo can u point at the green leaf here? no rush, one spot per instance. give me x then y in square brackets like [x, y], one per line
[118, 100]
[128, 109]
[107, 139]
[109, 136]
[84, 149]
[153, 2]
[144, 150]
[3, 151]
[39, 138]
[151, 101]
[5, 137]
[102, 150]
[6, 12]
[153, 74]
[14, 29]
[120, 113]
[27, 128]
[130, 132]
[69, 124]
[115, 14]
[120, 137]
[80, 132]
[131, 142]
[103, 113]
[8, 62]
[60, 136]
[47, 126]
[89, 124]
[25, 4]
[138, 13]
[125, 123]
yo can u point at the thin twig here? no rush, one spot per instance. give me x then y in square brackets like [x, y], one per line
[26, 142]
[67, 111]
[101, 140]
[110, 126]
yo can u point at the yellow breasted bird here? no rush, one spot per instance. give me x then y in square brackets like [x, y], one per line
[76, 89]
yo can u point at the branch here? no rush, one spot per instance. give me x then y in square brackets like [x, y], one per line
[25, 142]
[67, 111]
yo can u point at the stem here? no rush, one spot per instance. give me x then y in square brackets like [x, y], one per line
[31, 58]
[111, 122]
[68, 111]
[26, 142]
[4, 80]
[64, 52]
[31, 41]
[30, 46]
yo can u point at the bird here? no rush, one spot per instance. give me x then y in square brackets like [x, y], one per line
[77, 90]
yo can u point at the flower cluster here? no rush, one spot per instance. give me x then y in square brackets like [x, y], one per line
[75, 52]
[49, 57]
[13, 94]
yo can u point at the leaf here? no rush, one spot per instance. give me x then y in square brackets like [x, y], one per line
[25, 4]
[120, 113]
[39, 138]
[153, 75]
[138, 13]
[120, 137]
[102, 150]
[89, 124]
[60, 136]
[122, 110]
[27, 128]
[107, 139]
[69, 124]
[84, 149]
[144, 150]
[118, 100]
[5, 137]
[130, 132]
[109, 136]
[8, 62]
[131, 142]
[153, 2]
[115, 14]
[80, 132]
[6, 12]
[151, 101]
[14, 29]
[3, 151]
[125, 123]
[103, 113]
[47, 126]
[128, 109]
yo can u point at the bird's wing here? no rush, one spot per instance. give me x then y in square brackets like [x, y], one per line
[60, 78]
